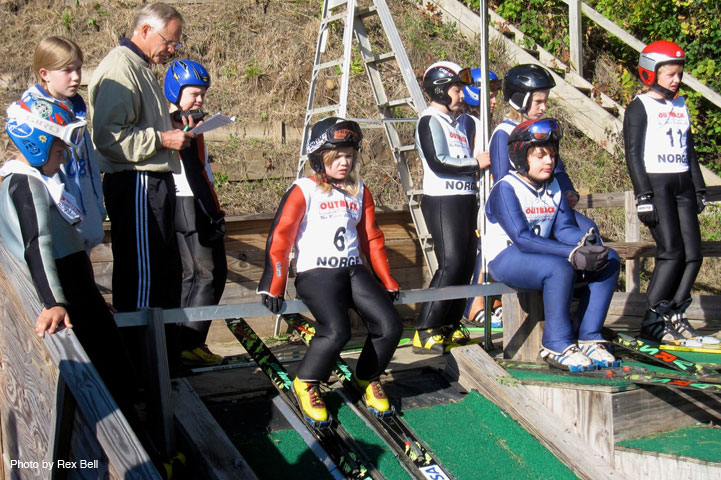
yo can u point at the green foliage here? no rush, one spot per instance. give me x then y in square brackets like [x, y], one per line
[67, 19]
[693, 24]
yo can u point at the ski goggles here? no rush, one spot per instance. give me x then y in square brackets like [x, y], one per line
[545, 129]
[72, 133]
[340, 134]
[493, 85]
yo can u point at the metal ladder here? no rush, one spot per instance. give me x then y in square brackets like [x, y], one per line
[353, 17]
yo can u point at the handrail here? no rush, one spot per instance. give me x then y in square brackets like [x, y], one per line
[574, 26]
[30, 387]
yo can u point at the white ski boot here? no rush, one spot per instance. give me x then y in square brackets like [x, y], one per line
[571, 359]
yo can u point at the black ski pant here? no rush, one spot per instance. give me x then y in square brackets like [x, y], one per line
[329, 293]
[678, 238]
[202, 254]
[451, 221]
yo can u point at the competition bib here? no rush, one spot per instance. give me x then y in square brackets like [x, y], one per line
[459, 147]
[666, 135]
[327, 236]
[539, 208]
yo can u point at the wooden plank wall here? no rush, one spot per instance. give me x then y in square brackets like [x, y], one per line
[245, 250]
[28, 393]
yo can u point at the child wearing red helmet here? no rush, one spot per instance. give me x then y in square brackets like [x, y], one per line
[669, 189]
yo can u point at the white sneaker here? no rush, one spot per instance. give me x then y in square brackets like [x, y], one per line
[596, 350]
[572, 359]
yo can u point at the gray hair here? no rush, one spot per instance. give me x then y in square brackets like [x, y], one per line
[157, 15]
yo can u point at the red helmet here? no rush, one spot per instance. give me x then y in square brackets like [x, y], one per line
[656, 54]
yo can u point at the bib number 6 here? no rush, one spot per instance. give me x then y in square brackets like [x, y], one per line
[339, 239]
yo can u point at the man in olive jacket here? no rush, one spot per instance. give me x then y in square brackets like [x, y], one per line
[137, 148]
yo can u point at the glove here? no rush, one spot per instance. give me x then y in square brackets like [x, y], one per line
[393, 295]
[590, 238]
[589, 258]
[646, 211]
[217, 229]
[274, 304]
[700, 202]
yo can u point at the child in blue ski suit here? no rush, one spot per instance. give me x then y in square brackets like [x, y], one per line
[533, 242]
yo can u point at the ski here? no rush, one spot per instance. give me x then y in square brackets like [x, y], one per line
[633, 374]
[652, 352]
[413, 454]
[343, 451]
[686, 348]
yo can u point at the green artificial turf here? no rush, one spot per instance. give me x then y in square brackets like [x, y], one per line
[281, 454]
[475, 440]
[696, 441]
[545, 376]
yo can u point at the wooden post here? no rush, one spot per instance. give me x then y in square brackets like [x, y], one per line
[64, 414]
[575, 35]
[522, 325]
[633, 234]
[159, 392]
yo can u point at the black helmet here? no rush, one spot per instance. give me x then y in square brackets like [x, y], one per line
[521, 81]
[531, 133]
[331, 132]
[441, 75]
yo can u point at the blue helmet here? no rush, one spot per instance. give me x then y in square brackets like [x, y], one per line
[471, 92]
[34, 122]
[182, 73]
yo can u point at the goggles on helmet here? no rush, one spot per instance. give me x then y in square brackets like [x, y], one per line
[545, 129]
[341, 133]
[72, 133]
[493, 85]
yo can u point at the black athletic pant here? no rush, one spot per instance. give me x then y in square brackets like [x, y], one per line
[329, 293]
[204, 266]
[677, 236]
[451, 221]
[146, 262]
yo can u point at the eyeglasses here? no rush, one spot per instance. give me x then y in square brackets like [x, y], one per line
[342, 133]
[545, 129]
[168, 43]
[72, 133]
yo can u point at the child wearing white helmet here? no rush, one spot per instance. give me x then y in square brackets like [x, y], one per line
[330, 220]
[449, 204]
[669, 189]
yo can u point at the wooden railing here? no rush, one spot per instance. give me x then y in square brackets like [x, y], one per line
[577, 8]
[55, 407]
[632, 248]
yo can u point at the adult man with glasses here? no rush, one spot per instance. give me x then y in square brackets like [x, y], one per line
[137, 146]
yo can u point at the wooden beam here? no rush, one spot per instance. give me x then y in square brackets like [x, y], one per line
[30, 370]
[475, 369]
[523, 322]
[160, 401]
[211, 450]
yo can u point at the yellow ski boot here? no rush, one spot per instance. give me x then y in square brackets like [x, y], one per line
[375, 397]
[200, 357]
[311, 403]
[433, 341]
[462, 336]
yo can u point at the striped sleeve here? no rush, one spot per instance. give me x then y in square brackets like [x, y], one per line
[281, 238]
[32, 204]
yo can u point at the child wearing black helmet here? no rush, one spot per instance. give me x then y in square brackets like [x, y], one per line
[669, 189]
[37, 225]
[449, 204]
[330, 220]
[199, 220]
[526, 88]
[532, 242]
